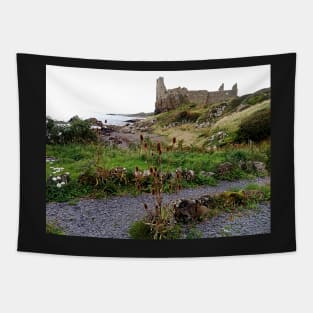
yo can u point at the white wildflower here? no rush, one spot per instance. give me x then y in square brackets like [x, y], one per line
[62, 183]
[59, 185]
[58, 177]
[54, 178]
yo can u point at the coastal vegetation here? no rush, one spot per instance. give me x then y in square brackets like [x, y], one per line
[189, 146]
[85, 162]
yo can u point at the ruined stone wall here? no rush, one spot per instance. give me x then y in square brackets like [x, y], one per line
[198, 96]
[168, 99]
[217, 96]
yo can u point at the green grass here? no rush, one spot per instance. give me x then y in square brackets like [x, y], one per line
[266, 189]
[252, 186]
[77, 159]
[194, 233]
[53, 229]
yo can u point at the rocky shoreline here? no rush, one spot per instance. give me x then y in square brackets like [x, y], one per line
[112, 217]
[124, 135]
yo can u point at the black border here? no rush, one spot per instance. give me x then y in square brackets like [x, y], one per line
[32, 220]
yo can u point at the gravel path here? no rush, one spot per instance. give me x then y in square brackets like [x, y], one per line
[248, 222]
[111, 218]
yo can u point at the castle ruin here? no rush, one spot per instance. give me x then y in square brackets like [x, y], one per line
[168, 99]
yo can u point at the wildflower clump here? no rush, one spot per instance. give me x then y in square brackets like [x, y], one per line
[59, 177]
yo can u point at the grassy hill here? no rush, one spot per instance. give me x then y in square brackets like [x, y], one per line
[216, 124]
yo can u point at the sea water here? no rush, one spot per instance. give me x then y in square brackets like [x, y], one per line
[119, 120]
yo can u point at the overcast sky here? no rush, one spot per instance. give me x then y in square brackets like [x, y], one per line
[94, 92]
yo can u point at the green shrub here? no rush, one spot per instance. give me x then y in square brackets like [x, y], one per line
[232, 174]
[237, 155]
[77, 131]
[140, 230]
[162, 230]
[186, 116]
[205, 180]
[256, 127]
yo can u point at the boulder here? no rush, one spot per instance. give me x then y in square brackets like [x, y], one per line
[190, 175]
[50, 159]
[207, 201]
[202, 211]
[146, 173]
[259, 167]
[206, 174]
[185, 210]
[246, 165]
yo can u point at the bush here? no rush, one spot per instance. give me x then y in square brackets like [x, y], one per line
[204, 180]
[231, 174]
[237, 156]
[140, 230]
[256, 127]
[78, 131]
[187, 116]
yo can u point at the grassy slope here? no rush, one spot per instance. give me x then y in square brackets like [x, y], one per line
[229, 122]
[186, 132]
[232, 121]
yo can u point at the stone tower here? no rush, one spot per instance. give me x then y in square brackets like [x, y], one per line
[160, 89]
[235, 90]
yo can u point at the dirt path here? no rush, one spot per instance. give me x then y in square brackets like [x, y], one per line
[111, 218]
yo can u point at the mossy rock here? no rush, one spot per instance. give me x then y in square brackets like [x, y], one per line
[229, 200]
